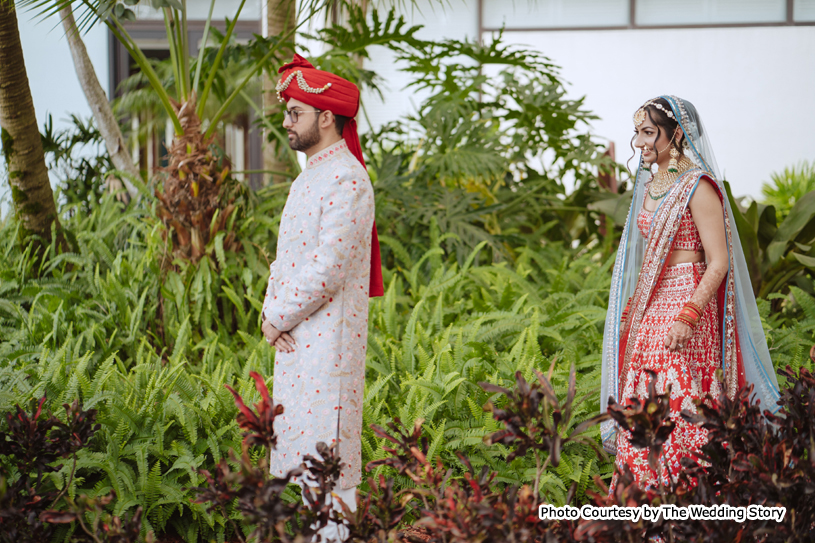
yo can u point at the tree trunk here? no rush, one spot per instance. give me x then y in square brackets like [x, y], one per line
[281, 17]
[98, 101]
[21, 142]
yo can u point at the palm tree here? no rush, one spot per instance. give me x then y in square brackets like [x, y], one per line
[280, 18]
[195, 202]
[98, 100]
[21, 143]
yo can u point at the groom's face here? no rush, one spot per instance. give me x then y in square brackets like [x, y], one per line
[305, 132]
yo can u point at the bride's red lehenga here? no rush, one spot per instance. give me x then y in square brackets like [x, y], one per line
[690, 371]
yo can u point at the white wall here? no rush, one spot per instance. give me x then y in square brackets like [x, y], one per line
[455, 19]
[752, 86]
[51, 74]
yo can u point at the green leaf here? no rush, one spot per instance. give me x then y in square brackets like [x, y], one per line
[749, 240]
[615, 207]
[801, 215]
[807, 261]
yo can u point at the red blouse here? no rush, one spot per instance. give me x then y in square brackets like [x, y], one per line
[687, 237]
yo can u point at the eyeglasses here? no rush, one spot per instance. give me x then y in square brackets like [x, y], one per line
[294, 114]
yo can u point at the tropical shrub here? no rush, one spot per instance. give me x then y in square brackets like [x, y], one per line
[436, 334]
[787, 187]
[113, 325]
[778, 254]
[75, 158]
[149, 346]
[791, 331]
[450, 508]
[29, 445]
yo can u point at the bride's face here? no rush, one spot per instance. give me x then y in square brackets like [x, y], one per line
[646, 140]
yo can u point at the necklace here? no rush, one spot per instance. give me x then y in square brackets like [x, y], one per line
[662, 182]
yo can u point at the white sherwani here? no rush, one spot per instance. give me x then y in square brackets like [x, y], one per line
[318, 292]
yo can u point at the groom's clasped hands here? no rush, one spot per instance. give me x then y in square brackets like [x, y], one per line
[282, 341]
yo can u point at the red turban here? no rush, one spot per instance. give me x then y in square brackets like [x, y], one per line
[300, 80]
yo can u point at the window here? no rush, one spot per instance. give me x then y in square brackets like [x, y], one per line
[803, 11]
[555, 13]
[710, 12]
[611, 14]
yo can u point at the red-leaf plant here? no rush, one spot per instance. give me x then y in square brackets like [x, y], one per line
[104, 526]
[536, 420]
[647, 420]
[752, 457]
[258, 427]
[453, 510]
[32, 444]
[260, 496]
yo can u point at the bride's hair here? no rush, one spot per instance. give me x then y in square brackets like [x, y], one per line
[661, 121]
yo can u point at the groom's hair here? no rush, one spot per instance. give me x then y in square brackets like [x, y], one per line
[339, 123]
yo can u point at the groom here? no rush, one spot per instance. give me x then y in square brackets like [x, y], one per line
[316, 308]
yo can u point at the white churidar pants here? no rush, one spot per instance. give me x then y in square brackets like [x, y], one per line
[333, 532]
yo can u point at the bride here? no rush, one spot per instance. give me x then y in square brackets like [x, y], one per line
[681, 302]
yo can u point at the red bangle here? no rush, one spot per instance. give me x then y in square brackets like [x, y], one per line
[687, 316]
[684, 319]
[691, 318]
[698, 309]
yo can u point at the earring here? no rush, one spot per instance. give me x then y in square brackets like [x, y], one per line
[673, 165]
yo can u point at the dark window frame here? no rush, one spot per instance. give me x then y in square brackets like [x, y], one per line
[632, 23]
